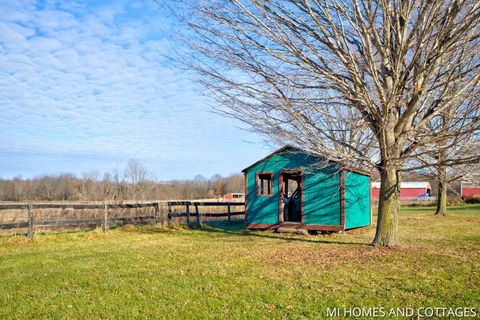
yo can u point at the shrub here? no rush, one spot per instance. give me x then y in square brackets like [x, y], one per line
[472, 200]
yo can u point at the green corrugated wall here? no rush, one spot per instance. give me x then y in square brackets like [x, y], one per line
[321, 191]
[357, 200]
[322, 197]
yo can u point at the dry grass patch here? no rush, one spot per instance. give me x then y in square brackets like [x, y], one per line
[328, 257]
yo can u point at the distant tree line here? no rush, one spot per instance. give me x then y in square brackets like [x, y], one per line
[134, 182]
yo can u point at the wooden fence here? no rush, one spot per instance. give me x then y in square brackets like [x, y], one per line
[190, 210]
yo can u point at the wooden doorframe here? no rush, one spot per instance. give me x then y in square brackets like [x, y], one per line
[301, 172]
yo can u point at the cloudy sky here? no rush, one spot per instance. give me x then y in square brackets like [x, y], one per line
[85, 86]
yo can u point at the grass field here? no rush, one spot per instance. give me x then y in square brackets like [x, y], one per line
[224, 272]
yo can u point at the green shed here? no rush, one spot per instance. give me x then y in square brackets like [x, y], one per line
[288, 188]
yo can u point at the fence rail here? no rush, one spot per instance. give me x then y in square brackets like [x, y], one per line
[108, 219]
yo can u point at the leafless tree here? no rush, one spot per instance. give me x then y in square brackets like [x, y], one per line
[136, 174]
[356, 81]
[91, 186]
[453, 148]
[454, 157]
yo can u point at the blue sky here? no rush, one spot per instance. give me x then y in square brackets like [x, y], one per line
[85, 86]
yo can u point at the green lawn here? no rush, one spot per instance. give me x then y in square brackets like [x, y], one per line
[225, 272]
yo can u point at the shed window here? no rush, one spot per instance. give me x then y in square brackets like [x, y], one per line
[265, 183]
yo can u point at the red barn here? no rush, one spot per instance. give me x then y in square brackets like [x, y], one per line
[408, 190]
[234, 197]
[470, 189]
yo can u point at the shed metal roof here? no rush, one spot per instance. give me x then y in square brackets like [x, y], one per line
[281, 150]
[295, 149]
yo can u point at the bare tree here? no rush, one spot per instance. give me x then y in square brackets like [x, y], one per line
[219, 185]
[136, 174]
[454, 159]
[235, 183]
[90, 185]
[118, 180]
[201, 186]
[446, 176]
[455, 138]
[454, 147]
[355, 81]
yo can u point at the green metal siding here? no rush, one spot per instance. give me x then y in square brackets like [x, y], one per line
[261, 209]
[321, 190]
[322, 197]
[357, 200]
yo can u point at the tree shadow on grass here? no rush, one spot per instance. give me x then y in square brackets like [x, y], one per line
[233, 229]
[238, 229]
[148, 229]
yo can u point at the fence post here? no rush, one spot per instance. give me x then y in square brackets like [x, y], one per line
[157, 212]
[30, 221]
[197, 213]
[229, 213]
[187, 208]
[105, 218]
[169, 216]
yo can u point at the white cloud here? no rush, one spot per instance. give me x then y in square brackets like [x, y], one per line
[78, 79]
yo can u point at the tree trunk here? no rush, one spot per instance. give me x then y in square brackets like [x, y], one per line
[388, 208]
[442, 192]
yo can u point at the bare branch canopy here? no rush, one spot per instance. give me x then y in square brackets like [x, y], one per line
[362, 82]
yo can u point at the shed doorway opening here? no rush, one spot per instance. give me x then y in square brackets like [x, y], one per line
[291, 187]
